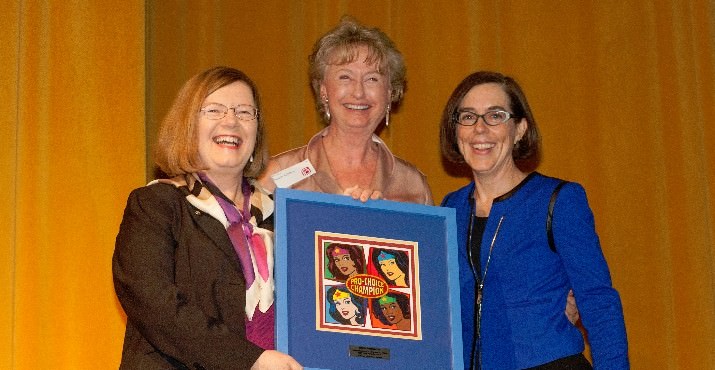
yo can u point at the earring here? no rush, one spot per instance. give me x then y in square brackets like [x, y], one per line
[325, 107]
[250, 160]
[387, 116]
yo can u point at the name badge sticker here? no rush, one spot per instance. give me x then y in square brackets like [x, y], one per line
[293, 174]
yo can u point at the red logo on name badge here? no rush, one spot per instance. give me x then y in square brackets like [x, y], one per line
[305, 171]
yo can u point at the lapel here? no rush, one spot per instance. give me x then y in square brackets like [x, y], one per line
[217, 233]
[385, 165]
[206, 213]
[323, 176]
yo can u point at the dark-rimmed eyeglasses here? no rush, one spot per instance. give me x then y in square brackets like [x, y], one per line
[492, 118]
[218, 111]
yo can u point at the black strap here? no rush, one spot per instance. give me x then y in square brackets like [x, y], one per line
[550, 215]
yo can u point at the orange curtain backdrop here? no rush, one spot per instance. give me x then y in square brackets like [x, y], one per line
[623, 93]
[72, 146]
[8, 148]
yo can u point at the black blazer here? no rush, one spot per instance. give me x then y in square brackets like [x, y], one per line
[180, 283]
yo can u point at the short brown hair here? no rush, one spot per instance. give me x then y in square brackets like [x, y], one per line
[177, 150]
[527, 149]
[339, 46]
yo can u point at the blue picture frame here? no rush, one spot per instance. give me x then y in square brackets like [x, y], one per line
[307, 224]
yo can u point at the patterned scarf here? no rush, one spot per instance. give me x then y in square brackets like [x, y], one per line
[256, 263]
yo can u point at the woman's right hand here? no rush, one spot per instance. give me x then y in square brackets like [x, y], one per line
[361, 194]
[271, 359]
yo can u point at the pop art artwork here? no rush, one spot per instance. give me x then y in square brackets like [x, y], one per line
[367, 286]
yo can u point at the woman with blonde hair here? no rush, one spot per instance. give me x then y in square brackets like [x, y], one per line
[357, 75]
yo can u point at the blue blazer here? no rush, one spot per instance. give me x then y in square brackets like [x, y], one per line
[525, 288]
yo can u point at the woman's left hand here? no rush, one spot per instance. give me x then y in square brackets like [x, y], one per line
[361, 194]
[571, 310]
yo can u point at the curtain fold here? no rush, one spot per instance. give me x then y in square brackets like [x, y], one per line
[8, 154]
[73, 116]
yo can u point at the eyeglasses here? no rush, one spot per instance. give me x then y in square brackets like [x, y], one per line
[491, 118]
[242, 112]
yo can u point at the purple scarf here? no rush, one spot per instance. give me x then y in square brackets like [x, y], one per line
[250, 249]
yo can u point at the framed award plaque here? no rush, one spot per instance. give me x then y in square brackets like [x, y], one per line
[365, 285]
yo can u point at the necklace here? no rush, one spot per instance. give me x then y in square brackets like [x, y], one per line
[479, 287]
[486, 266]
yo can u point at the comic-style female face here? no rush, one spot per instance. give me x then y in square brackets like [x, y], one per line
[391, 270]
[392, 311]
[348, 310]
[345, 263]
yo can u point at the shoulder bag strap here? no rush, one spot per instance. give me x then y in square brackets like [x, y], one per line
[550, 215]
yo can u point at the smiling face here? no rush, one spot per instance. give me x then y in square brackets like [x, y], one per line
[488, 149]
[226, 144]
[345, 264]
[357, 94]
